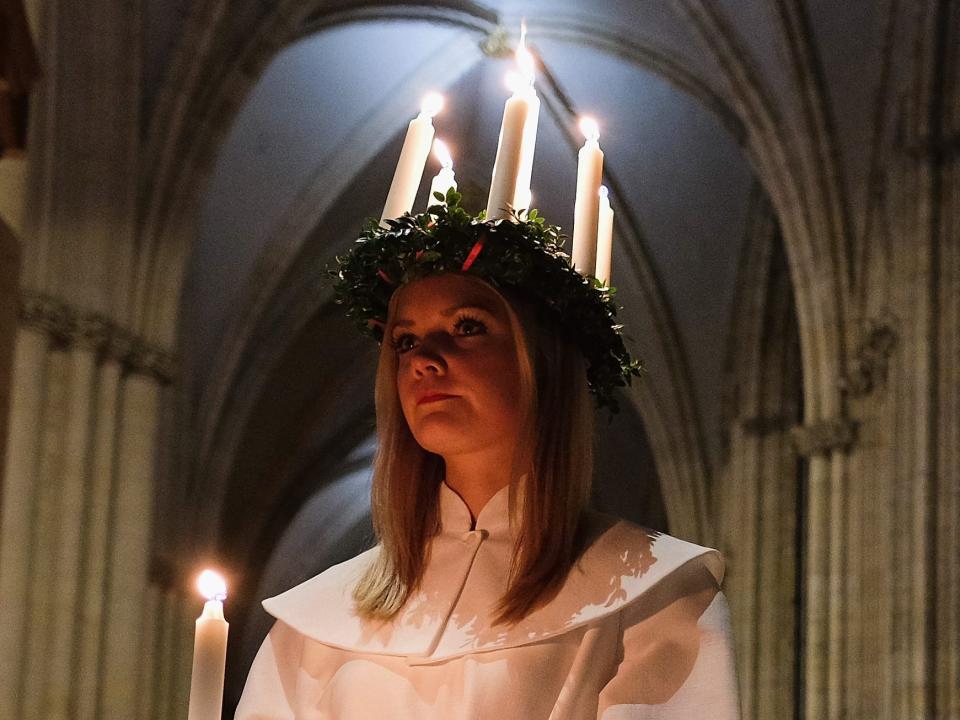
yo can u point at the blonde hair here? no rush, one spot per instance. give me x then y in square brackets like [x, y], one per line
[553, 468]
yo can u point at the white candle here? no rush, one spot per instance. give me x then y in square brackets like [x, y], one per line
[604, 237]
[586, 209]
[413, 159]
[209, 651]
[522, 197]
[503, 185]
[445, 179]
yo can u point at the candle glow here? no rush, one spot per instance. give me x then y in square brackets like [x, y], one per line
[445, 179]
[590, 129]
[431, 105]
[442, 153]
[212, 585]
[525, 60]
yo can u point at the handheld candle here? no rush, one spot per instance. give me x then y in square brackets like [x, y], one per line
[209, 650]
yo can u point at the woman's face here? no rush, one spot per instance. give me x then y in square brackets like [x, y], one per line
[458, 377]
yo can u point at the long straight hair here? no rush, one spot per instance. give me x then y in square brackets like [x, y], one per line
[551, 475]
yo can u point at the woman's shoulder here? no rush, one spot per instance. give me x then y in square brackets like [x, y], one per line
[332, 588]
[631, 560]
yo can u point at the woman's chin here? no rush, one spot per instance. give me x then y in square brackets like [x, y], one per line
[442, 433]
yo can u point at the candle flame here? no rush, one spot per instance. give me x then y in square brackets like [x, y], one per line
[515, 82]
[431, 104]
[590, 128]
[442, 153]
[604, 193]
[212, 585]
[525, 60]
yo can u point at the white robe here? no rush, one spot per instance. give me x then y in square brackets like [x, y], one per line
[618, 641]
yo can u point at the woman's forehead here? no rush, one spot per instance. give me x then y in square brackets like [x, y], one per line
[443, 294]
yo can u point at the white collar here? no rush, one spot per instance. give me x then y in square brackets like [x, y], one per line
[494, 517]
[450, 614]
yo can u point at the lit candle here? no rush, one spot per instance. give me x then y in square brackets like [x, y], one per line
[209, 651]
[586, 209]
[413, 159]
[604, 237]
[503, 186]
[444, 179]
[521, 197]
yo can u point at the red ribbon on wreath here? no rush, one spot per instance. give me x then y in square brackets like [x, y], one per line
[474, 251]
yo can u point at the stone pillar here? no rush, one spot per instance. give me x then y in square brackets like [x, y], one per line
[759, 490]
[74, 493]
[102, 480]
[9, 300]
[130, 547]
[20, 485]
[77, 516]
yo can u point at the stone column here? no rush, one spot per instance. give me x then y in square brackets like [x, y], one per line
[42, 545]
[20, 485]
[102, 481]
[9, 272]
[74, 520]
[130, 547]
[78, 508]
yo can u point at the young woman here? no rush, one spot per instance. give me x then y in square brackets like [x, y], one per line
[494, 592]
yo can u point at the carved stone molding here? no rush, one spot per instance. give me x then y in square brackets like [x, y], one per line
[824, 436]
[46, 314]
[497, 43]
[91, 331]
[868, 369]
[75, 328]
[146, 359]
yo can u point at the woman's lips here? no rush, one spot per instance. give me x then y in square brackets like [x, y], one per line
[433, 398]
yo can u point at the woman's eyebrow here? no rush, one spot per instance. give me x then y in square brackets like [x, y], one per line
[472, 305]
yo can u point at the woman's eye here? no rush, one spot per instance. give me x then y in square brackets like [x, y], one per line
[470, 326]
[402, 343]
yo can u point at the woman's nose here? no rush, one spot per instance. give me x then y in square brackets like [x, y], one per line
[428, 357]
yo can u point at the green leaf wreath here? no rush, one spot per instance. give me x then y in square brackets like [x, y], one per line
[523, 254]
